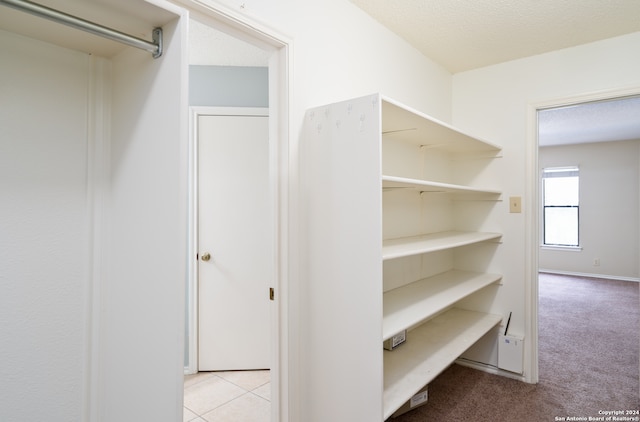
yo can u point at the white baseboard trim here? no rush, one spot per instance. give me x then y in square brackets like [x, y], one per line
[607, 276]
[489, 369]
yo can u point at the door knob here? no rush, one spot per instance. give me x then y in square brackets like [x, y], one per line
[206, 256]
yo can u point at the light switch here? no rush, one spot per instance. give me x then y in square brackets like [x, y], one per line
[515, 204]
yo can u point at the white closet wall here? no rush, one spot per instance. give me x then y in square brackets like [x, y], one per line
[44, 226]
[145, 229]
[93, 221]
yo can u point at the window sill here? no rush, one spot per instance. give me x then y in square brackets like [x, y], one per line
[561, 248]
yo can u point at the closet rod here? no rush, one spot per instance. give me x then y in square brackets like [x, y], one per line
[154, 47]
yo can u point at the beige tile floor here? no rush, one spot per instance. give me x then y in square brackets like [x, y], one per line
[238, 396]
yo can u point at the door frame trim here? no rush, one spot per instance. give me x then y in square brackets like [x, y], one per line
[533, 214]
[193, 275]
[284, 376]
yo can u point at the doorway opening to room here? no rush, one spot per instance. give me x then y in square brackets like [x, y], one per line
[236, 312]
[585, 184]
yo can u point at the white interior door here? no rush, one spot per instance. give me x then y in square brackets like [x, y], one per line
[235, 240]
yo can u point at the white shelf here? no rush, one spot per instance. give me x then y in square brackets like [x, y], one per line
[407, 306]
[429, 186]
[415, 245]
[403, 123]
[428, 351]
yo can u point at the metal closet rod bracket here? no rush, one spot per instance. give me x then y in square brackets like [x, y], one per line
[154, 47]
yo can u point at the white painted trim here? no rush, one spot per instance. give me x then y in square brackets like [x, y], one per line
[197, 111]
[532, 218]
[192, 247]
[237, 24]
[284, 373]
[285, 346]
[532, 242]
[184, 123]
[98, 164]
[561, 248]
[590, 275]
[490, 369]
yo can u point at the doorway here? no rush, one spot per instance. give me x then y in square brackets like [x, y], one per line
[273, 48]
[224, 72]
[589, 162]
[534, 219]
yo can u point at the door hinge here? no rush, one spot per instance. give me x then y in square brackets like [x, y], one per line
[272, 293]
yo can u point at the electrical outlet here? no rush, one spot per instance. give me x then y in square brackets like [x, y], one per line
[596, 262]
[515, 204]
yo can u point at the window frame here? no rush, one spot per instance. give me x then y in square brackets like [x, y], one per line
[570, 171]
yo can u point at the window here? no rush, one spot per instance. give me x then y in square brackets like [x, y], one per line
[561, 206]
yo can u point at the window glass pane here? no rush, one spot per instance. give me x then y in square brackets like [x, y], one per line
[561, 226]
[561, 191]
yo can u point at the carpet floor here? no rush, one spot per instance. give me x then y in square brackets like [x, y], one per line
[589, 361]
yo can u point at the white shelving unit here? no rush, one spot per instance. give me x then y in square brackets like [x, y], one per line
[431, 348]
[373, 160]
[105, 123]
[406, 124]
[409, 305]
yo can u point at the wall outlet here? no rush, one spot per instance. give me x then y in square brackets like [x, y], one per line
[596, 262]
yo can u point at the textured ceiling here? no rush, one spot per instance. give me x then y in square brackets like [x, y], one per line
[467, 34]
[600, 121]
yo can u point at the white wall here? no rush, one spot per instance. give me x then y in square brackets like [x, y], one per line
[494, 102]
[609, 213]
[144, 243]
[44, 230]
[340, 53]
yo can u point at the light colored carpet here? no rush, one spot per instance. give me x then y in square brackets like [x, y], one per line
[589, 361]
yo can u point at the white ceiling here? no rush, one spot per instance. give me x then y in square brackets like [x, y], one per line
[468, 34]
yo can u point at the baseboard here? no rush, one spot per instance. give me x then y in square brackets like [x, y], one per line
[489, 369]
[606, 276]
